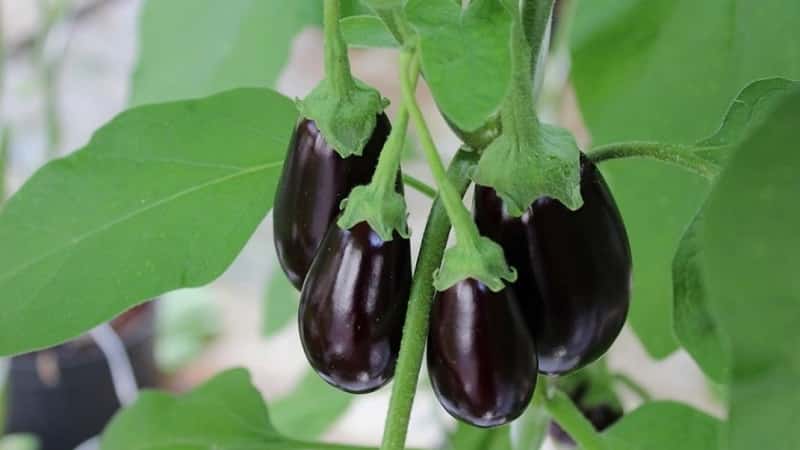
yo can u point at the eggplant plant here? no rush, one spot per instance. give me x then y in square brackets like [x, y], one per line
[676, 219]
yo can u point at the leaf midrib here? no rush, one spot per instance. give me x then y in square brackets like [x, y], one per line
[160, 202]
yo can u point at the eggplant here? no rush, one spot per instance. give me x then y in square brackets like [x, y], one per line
[481, 358]
[574, 269]
[353, 306]
[314, 181]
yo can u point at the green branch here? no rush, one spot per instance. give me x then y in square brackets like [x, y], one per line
[419, 185]
[415, 330]
[570, 418]
[680, 155]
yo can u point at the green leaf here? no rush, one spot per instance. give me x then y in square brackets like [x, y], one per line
[226, 412]
[695, 326]
[524, 168]
[367, 31]
[281, 301]
[468, 437]
[4, 144]
[752, 243]
[465, 56]
[194, 48]
[163, 197]
[664, 426]
[311, 408]
[19, 442]
[665, 70]
[747, 111]
[186, 320]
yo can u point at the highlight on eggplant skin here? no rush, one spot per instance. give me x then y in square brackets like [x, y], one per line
[481, 358]
[313, 183]
[353, 306]
[574, 270]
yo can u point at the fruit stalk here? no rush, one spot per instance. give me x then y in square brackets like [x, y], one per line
[415, 331]
[337, 66]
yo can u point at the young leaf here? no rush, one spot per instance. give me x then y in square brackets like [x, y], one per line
[465, 56]
[281, 301]
[748, 110]
[630, 87]
[367, 31]
[310, 409]
[194, 48]
[695, 326]
[163, 197]
[664, 426]
[750, 260]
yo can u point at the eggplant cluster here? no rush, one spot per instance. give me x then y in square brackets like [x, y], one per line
[354, 286]
[564, 311]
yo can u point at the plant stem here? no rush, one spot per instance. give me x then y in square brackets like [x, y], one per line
[415, 330]
[465, 228]
[337, 65]
[679, 155]
[637, 389]
[419, 185]
[570, 418]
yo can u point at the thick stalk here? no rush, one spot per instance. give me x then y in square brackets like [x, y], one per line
[337, 65]
[679, 155]
[415, 330]
[570, 418]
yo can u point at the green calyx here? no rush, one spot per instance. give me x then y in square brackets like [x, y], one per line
[384, 211]
[344, 109]
[482, 260]
[544, 163]
[345, 121]
[529, 159]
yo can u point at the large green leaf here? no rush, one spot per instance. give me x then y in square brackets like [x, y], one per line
[751, 259]
[695, 326]
[226, 413]
[665, 70]
[664, 426]
[163, 197]
[465, 56]
[311, 408]
[281, 301]
[194, 48]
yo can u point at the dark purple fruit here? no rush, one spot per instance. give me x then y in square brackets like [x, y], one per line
[353, 305]
[314, 182]
[481, 358]
[574, 270]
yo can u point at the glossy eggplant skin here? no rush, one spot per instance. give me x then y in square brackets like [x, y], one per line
[314, 181]
[353, 306]
[481, 358]
[574, 270]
